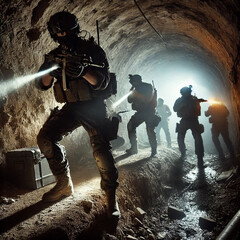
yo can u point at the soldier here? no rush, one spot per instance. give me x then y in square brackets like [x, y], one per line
[164, 111]
[218, 113]
[83, 86]
[144, 101]
[188, 109]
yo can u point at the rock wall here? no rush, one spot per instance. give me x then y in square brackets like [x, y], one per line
[207, 30]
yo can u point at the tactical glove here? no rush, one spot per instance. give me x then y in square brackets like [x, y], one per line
[56, 73]
[74, 71]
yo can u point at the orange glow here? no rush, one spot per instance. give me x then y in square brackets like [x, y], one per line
[214, 102]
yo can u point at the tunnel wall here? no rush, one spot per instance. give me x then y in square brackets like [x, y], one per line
[207, 27]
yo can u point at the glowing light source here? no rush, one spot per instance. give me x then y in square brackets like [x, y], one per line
[14, 84]
[114, 105]
[214, 102]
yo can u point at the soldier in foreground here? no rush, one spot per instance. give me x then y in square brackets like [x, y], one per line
[164, 111]
[218, 113]
[144, 101]
[81, 82]
[188, 109]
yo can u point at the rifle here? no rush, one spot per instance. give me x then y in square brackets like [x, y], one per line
[79, 59]
[67, 57]
[202, 100]
[123, 111]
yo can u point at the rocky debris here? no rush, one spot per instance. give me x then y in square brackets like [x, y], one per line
[207, 223]
[130, 231]
[175, 213]
[110, 237]
[140, 213]
[129, 237]
[87, 205]
[190, 232]
[161, 235]
[4, 200]
[137, 222]
[224, 175]
[151, 237]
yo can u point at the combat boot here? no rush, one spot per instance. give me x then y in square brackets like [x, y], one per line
[132, 150]
[154, 152]
[63, 188]
[113, 211]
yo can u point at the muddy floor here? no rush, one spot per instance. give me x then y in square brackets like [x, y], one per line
[160, 198]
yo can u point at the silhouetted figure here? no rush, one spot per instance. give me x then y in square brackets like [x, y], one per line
[144, 101]
[164, 111]
[81, 83]
[188, 109]
[218, 118]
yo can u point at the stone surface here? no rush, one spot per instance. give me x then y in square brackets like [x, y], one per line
[207, 223]
[175, 213]
[140, 213]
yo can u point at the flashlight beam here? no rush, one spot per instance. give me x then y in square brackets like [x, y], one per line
[214, 102]
[114, 105]
[15, 84]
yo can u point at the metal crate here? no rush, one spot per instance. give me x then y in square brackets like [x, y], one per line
[28, 168]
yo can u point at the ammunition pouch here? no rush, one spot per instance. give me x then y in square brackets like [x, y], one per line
[80, 90]
[110, 90]
[201, 128]
[156, 120]
[110, 128]
[177, 127]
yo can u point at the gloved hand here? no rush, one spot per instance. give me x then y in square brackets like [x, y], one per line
[74, 70]
[56, 73]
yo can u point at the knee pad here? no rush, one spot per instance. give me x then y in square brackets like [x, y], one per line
[45, 145]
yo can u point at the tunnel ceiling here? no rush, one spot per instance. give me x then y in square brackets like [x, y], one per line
[204, 30]
[203, 27]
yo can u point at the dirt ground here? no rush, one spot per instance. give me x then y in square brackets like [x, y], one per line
[148, 187]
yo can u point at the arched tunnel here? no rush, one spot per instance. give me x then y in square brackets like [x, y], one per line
[171, 44]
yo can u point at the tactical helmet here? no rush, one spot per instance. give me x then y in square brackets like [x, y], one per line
[160, 100]
[63, 22]
[186, 91]
[135, 78]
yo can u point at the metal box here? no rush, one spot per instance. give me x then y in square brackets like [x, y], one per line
[28, 168]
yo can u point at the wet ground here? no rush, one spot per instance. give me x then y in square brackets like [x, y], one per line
[152, 184]
[212, 193]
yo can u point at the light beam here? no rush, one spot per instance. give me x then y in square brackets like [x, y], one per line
[114, 105]
[12, 85]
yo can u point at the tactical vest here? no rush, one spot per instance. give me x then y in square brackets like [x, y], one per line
[81, 90]
[191, 109]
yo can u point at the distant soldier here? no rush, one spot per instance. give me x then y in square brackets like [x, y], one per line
[188, 109]
[144, 102]
[218, 117]
[164, 111]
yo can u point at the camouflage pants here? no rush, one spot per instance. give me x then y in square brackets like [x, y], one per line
[138, 118]
[163, 125]
[90, 115]
[195, 127]
[223, 130]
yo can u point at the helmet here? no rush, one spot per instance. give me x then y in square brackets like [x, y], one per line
[160, 101]
[135, 78]
[185, 91]
[63, 22]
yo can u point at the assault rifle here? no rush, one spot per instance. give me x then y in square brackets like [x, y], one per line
[79, 59]
[202, 100]
[65, 57]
